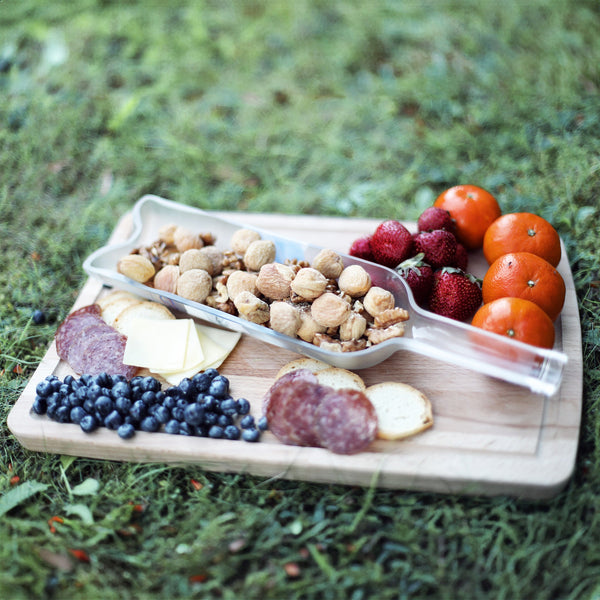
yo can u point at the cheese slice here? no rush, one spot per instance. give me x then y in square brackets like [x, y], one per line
[159, 345]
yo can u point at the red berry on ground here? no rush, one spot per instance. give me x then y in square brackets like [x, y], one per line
[438, 247]
[455, 294]
[391, 243]
[433, 218]
[361, 248]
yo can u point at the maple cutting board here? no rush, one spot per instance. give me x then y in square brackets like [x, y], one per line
[489, 437]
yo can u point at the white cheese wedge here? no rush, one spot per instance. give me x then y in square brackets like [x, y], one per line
[159, 345]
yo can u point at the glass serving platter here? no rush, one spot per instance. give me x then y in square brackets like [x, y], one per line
[540, 370]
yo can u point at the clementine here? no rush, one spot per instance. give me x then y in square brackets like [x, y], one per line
[528, 276]
[518, 319]
[522, 232]
[473, 210]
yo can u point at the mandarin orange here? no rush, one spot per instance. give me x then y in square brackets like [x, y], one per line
[517, 319]
[528, 276]
[473, 210]
[522, 232]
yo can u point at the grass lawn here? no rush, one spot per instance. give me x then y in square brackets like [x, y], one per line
[365, 109]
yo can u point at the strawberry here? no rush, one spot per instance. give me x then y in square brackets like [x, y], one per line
[391, 243]
[439, 247]
[436, 218]
[455, 294]
[361, 248]
[461, 259]
[419, 276]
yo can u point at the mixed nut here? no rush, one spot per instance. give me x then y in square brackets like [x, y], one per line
[323, 303]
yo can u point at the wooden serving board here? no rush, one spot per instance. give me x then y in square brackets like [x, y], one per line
[489, 437]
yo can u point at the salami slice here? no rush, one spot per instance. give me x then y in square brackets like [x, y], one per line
[291, 409]
[104, 353]
[299, 374]
[70, 329]
[345, 421]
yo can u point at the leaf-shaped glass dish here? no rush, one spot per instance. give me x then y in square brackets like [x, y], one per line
[426, 333]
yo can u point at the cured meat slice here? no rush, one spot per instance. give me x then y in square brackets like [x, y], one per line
[291, 408]
[299, 374]
[70, 329]
[345, 421]
[89, 345]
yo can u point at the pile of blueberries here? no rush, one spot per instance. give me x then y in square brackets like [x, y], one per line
[198, 406]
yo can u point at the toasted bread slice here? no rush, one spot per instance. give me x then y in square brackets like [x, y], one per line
[340, 379]
[111, 310]
[312, 364]
[114, 295]
[402, 410]
[144, 309]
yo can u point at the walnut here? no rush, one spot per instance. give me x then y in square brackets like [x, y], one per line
[242, 238]
[137, 267]
[309, 283]
[329, 263]
[184, 239]
[166, 279]
[354, 345]
[391, 316]
[376, 336]
[195, 285]
[284, 318]
[377, 300]
[326, 342]
[274, 281]
[259, 253]
[330, 310]
[308, 326]
[353, 328]
[354, 281]
[239, 281]
[194, 258]
[251, 308]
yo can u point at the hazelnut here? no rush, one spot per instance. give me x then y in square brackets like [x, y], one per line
[354, 281]
[251, 308]
[216, 258]
[195, 259]
[240, 281]
[136, 267]
[166, 279]
[308, 327]
[309, 283]
[184, 239]
[259, 253]
[195, 285]
[242, 238]
[166, 233]
[284, 318]
[274, 280]
[353, 328]
[329, 263]
[330, 310]
[377, 300]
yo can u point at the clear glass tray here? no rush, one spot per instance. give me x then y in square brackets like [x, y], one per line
[428, 334]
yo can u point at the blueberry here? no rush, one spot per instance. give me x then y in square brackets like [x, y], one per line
[121, 389]
[162, 414]
[150, 384]
[187, 388]
[182, 403]
[126, 431]
[224, 420]
[88, 423]
[86, 379]
[215, 432]
[64, 389]
[169, 402]
[104, 405]
[138, 410]
[149, 397]
[243, 406]
[186, 429]
[219, 387]
[51, 408]
[149, 424]
[43, 388]
[81, 393]
[201, 381]
[114, 420]
[103, 380]
[63, 414]
[88, 405]
[39, 318]
[263, 424]
[193, 414]
[229, 407]
[211, 418]
[172, 426]
[251, 435]
[247, 422]
[77, 413]
[94, 391]
[211, 373]
[210, 403]
[231, 432]
[40, 405]
[123, 404]
[178, 413]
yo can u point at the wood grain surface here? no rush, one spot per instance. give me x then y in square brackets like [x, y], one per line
[489, 437]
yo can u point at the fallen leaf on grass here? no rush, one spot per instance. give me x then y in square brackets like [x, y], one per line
[19, 494]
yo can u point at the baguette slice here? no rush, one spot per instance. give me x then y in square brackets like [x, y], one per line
[312, 364]
[145, 309]
[402, 410]
[340, 379]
